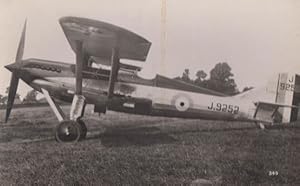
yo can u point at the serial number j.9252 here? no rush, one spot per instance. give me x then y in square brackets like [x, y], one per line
[221, 107]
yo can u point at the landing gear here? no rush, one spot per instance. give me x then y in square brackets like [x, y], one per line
[74, 129]
[70, 131]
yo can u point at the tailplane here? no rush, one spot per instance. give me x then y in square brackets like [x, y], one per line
[282, 92]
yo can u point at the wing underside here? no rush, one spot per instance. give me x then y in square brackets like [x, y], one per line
[99, 38]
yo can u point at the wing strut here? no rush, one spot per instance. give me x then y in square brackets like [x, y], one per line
[78, 103]
[79, 67]
[115, 59]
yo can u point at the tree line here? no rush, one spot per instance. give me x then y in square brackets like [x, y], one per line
[220, 79]
[30, 98]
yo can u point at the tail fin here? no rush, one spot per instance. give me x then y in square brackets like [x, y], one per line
[285, 94]
[284, 89]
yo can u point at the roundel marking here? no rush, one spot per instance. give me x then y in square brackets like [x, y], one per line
[182, 102]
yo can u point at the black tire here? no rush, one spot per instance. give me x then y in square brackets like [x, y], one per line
[68, 131]
[83, 129]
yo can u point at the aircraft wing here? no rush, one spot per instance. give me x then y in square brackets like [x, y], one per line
[105, 42]
[99, 38]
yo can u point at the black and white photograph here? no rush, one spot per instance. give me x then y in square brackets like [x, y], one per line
[149, 92]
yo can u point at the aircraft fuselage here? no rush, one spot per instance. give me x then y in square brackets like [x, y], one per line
[131, 93]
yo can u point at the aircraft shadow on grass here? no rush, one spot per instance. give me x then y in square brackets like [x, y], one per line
[145, 136]
[133, 136]
[117, 136]
[231, 129]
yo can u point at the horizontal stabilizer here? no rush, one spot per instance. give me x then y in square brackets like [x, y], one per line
[275, 104]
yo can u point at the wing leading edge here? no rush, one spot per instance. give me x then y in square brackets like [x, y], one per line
[99, 38]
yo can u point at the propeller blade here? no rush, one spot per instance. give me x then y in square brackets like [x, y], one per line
[20, 50]
[14, 81]
[11, 94]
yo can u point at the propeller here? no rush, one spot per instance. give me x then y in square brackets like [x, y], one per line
[14, 81]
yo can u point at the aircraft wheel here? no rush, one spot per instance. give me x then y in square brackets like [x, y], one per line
[68, 131]
[83, 129]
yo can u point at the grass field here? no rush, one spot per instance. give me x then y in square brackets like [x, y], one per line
[123, 149]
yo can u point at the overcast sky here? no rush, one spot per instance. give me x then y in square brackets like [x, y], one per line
[256, 37]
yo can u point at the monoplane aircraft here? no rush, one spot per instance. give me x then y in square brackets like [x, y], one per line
[119, 88]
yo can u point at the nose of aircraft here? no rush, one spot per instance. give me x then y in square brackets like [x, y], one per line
[12, 67]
